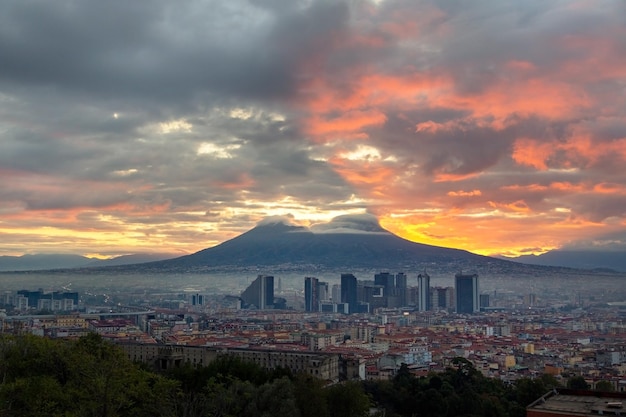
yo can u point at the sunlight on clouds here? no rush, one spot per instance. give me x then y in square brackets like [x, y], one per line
[400, 214]
[218, 152]
[277, 117]
[250, 113]
[240, 113]
[125, 172]
[482, 214]
[302, 213]
[365, 153]
[464, 193]
[362, 152]
[180, 125]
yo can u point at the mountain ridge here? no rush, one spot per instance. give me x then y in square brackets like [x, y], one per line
[582, 259]
[52, 261]
[345, 243]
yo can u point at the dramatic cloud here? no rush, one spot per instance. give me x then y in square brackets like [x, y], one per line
[160, 126]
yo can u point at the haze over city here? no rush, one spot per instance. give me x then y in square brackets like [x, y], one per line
[494, 127]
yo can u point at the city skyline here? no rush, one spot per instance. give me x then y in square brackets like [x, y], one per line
[498, 128]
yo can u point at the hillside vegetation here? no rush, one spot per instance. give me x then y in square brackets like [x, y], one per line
[91, 377]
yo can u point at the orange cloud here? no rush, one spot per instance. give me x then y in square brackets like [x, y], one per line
[472, 193]
[519, 206]
[352, 121]
[363, 174]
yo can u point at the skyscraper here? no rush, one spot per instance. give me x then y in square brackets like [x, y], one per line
[311, 294]
[467, 295]
[336, 293]
[442, 298]
[390, 293]
[349, 292]
[387, 281]
[401, 288]
[423, 292]
[260, 293]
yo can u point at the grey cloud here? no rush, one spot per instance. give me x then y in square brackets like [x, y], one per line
[159, 49]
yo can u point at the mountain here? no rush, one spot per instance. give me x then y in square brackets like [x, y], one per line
[42, 261]
[38, 262]
[345, 242]
[577, 259]
[136, 258]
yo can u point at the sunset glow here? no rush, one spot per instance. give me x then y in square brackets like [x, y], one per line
[498, 128]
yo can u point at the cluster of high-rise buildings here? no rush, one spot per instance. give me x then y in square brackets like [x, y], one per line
[389, 290]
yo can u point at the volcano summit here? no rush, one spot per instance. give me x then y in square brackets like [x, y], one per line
[346, 242]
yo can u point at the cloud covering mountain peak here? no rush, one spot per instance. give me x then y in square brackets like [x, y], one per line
[349, 223]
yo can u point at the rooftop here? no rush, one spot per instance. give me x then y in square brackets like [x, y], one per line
[578, 403]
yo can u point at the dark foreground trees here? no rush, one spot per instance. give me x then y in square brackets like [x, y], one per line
[91, 377]
[44, 377]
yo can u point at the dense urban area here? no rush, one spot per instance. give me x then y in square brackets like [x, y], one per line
[351, 329]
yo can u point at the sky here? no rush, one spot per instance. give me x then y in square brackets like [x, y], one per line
[498, 127]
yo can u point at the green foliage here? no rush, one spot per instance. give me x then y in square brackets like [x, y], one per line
[577, 382]
[45, 377]
[605, 386]
[347, 400]
[91, 377]
[459, 391]
[310, 396]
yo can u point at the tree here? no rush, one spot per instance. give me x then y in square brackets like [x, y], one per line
[528, 390]
[347, 400]
[33, 396]
[577, 382]
[605, 386]
[310, 395]
[276, 398]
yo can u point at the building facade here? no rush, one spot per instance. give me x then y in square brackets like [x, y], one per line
[467, 293]
[349, 292]
[259, 294]
[423, 292]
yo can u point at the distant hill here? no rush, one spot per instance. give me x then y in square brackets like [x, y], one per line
[42, 261]
[137, 258]
[39, 262]
[579, 259]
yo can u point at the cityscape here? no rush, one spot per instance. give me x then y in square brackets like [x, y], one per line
[358, 328]
[312, 208]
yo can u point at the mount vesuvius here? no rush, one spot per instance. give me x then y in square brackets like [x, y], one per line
[346, 242]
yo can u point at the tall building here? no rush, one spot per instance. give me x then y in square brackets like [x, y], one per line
[349, 292]
[467, 295]
[311, 294]
[260, 293]
[336, 293]
[391, 291]
[197, 299]
[373, 295]
[401, 288]
[442, 298]
[322, 291]
[387, 281]
[423, 292]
